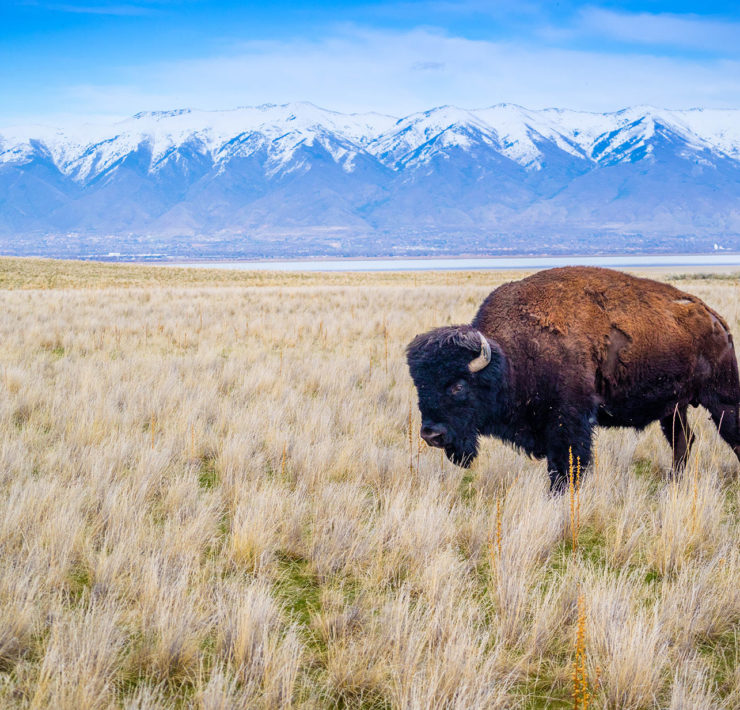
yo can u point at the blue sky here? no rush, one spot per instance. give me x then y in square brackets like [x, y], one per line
[60, 60]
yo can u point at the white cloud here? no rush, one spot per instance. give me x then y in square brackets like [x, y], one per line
[402, 72]
[681, 31]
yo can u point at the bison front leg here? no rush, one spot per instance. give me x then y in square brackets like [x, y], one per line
[569, 437]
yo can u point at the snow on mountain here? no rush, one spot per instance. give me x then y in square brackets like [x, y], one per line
[718, 129]
[520, 131]
[87, 150]
[293, 168]
[616, 136]
[438, 129]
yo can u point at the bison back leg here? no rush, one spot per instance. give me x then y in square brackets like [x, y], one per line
[725, 416]
[568, 437]
[722, 398]
[676, 429]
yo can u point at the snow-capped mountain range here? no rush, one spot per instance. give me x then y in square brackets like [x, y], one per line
[297, 179]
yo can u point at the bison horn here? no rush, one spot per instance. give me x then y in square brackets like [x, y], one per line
[485, 355]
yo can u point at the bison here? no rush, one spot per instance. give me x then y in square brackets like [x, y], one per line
[551, 356]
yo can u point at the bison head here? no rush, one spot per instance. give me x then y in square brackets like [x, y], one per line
[456, 371]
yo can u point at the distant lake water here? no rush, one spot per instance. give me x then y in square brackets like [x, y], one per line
[472, 263]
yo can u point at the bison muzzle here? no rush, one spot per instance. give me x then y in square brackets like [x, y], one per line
[551, 356]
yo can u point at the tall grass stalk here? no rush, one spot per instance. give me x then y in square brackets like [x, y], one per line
[579, 675]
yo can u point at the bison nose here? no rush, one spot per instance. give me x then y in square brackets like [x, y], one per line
[434, 434]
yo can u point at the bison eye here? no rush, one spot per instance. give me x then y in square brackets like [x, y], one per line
[458, 389]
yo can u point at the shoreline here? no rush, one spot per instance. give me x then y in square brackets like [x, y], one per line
[711, 261]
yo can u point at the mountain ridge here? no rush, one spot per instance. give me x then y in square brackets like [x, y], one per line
[267, 180]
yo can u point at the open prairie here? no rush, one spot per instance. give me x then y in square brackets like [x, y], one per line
[213, 495]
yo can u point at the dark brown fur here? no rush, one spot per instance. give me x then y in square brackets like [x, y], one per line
[581, 346]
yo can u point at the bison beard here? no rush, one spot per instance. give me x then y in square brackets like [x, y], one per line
[571, 348]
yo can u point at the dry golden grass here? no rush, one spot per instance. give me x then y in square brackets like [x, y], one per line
[207, 502]
[30, 273]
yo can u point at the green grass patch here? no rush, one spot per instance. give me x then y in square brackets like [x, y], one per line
[722, 655]
[207, 473]
[643, 468]
[543, 695]
[298, 588]
[717, 276]
[466, 489]
[649, 471]
[590, 548]
[79, 582]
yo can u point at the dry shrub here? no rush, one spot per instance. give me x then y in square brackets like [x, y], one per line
[703, 602]
[625, 641]
[263, 652]
[267, 519]
[20, 609]
[80, 661]
[441, 657]
[173, 621]
[692, 689]
[531, 526]
[687, 523]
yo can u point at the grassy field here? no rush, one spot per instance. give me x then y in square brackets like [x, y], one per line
[213, 495]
